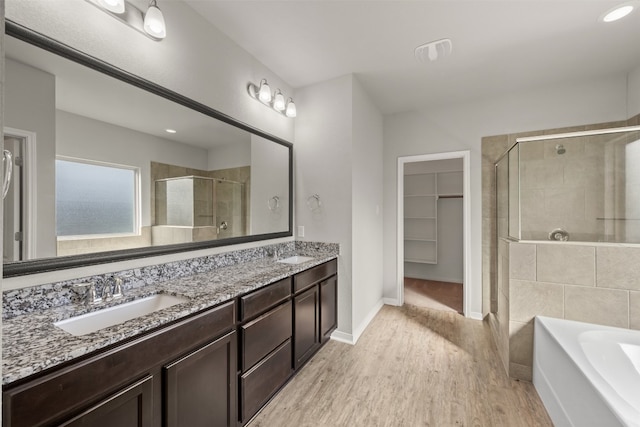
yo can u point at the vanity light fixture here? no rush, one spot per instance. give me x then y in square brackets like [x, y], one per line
[154, 21]
[150, 22]
[115, 6]
[171, 131]
[276, 100]
[618, 12]
[291, 109]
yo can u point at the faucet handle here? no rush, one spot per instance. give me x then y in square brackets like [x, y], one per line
[117, 288]
[88, 292]
[106, 292]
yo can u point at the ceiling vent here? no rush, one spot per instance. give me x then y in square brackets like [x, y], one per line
[433, 51]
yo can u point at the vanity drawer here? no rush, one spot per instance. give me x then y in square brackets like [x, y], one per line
[261, 382]
[307, 278]
[257, 302]
[265, 333]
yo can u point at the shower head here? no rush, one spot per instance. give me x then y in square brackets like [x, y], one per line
[560, 149]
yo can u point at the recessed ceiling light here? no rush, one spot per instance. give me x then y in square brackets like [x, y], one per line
[618, 12]
[170, 130]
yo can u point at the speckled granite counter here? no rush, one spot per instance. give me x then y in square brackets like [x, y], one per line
[31, 343]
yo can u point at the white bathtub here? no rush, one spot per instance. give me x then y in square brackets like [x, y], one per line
[585, 374]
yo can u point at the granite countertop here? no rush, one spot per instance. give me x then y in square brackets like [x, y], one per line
[31, 343]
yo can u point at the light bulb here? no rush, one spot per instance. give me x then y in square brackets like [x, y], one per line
[618, 13]
[291, 109]
[115, 6]
[432, 52]
[264, 93]
[154, 21]
[278, 101]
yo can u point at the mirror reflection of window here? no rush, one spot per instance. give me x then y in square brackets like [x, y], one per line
[95, 199]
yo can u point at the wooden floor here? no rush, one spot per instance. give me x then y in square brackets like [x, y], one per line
[433, 294]
[411, 367]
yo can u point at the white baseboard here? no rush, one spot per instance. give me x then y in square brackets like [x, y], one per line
[353, 338]
[342, 337]
[363, 325]
[476, 316]
[391, 301]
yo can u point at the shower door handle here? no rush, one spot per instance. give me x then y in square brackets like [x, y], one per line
[7, 163]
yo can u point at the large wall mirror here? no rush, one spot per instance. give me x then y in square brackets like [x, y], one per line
[108, 166]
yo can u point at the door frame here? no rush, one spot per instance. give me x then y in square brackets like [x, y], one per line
[29, 189]
[466, 221]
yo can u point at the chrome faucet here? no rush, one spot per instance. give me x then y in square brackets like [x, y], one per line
[115, 292]
[88, 292]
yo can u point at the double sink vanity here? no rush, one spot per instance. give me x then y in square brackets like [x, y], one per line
[224, 342]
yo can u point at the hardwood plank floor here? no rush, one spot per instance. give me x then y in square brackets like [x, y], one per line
[433, 294]
[411, 367]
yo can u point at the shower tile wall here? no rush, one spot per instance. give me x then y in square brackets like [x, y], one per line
[583, 282]
[580, 281]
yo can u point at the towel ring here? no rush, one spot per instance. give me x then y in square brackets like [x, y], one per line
[314, 203]
[273, 203]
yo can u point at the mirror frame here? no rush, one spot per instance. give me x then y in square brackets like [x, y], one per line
[42, 265]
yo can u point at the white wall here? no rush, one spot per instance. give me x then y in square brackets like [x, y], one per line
[85, 138]
[195, 59]
[323, 166]
[634, 92]
[269, 178]
[461, 127]
[366, 202]
[228, 156]
[29, 99]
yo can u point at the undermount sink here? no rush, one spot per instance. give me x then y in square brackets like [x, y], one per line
[295, 259]
[94, 321]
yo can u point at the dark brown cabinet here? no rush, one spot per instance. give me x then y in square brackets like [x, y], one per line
[218, 367]
[328, 307]
[200, 388]
[306, 325]
[315, 309]
[99, 385]
[131, 407]
[265, 342]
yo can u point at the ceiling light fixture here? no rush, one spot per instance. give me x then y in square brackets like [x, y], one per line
[434, 50]
[618, 12]
[171, 131]
[276, 100]
[150, 22]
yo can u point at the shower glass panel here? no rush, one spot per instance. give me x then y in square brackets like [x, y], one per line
[582, 186]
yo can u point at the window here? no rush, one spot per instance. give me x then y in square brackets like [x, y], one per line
[95, 198]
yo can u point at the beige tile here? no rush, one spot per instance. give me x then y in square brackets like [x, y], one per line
[618, 267]
[521, 343]
[528, 299]
[567, 264]
[596, 305]
[522, 261]
[565, 203]
[634, 310]
[494, 146]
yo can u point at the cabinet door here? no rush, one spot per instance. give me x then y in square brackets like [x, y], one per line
[200, 388]
[131, 407]
[328, 309]
[306, 325]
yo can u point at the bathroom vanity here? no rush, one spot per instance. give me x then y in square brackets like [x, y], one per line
[213, 365]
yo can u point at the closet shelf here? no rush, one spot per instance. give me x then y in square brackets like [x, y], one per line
[420, 261]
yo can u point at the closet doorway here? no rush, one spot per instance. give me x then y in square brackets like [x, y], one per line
[433, 231]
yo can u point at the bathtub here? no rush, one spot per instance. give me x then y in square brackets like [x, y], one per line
[587, 375]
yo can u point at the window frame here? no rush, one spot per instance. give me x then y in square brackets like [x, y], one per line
[137, 199]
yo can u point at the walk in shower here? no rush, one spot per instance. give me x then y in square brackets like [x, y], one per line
[581, 186]
[198, 208]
